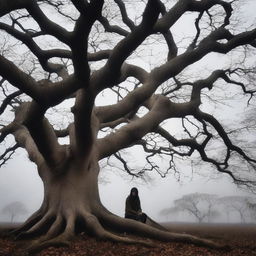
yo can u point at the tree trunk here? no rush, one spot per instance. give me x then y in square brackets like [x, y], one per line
[12, 217]
[70, 194]
[72, 204]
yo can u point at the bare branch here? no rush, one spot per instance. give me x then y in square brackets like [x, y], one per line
[125, 47]
[130, 171]
[219, 128]
[8, 99]
[24, 140]
[7, 155]
[193, 44]
[79, 38]
[19, 79]
[43, 56]
[173, 49]
[46, 25]
[6, 6]
[125, 17]
[112, 29]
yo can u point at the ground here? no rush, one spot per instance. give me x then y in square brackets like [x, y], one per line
[241, 238]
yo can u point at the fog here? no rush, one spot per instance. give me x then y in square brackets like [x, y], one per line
[19, 181]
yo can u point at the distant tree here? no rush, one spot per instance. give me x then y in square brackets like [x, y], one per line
[14, 209]
[199, 205]
[252, 207]
[237, 204]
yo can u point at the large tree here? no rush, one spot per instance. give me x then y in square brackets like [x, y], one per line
[54, 51]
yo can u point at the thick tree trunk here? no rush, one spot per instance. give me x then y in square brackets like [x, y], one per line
[72, 204]
[71, 198]
[69, 193]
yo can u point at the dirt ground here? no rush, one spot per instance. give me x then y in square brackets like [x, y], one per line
[241, 238]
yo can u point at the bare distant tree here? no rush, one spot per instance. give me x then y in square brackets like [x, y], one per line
[237, 204]
[72, 52]
[14, 209]
[199, 205]
[252, 206]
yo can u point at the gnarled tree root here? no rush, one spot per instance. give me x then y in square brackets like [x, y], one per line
[147, 231]
[58, 230]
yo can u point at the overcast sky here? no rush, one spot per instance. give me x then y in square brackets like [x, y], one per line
[19, 181]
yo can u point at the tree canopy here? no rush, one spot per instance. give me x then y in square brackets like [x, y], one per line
[54, 50]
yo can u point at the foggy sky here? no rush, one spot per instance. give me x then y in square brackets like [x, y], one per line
[19, 181]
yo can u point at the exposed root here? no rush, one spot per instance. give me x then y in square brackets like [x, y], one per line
[121, 239]
[55, 229]
[101, 233]
[38, 245]
[126, 225]
[32, 220]
[52, 238]
[40, 224]
[58, 230]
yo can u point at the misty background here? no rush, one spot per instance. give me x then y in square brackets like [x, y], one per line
[19, 181]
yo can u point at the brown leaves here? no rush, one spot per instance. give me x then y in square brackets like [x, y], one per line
[242, 239]
[5, 247]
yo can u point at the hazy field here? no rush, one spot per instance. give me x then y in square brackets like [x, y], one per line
[241, 238]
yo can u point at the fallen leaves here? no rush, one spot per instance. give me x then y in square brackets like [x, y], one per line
[242, 240]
